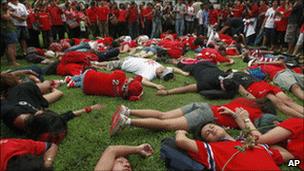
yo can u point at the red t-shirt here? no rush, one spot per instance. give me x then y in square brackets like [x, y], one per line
[92, 14]
[122, 15]
[45, 21]
[115, 12]
[16, 147]
[226, 39]
[133, 15]
[215, 155]
[212, 55]
[213, 16]
[147, 13]
[302, 28]
[272, 70]
[295, 142]
[31, 18]
[174, 47]
[254, 10]
[281, 22]
[238, 10]
[226, 120]
[106, 80]
[55, 13]
[103, 13]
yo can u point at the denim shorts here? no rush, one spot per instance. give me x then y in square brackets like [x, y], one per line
[9, 38]
[22, 33]
[197, 114]
[287, 78]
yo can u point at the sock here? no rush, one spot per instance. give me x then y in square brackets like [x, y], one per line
[128, 122]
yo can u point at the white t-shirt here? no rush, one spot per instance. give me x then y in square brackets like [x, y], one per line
[141, 66]
[270, 14]
[19, 10]
[190, 14]
[199, 16]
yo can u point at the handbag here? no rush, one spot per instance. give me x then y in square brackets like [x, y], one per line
[114, 20]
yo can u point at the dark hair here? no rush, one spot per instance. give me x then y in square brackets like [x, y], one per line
[7, 81]
[27, 162]
[210, 45]
[246, 59]
[230, 85]
[197, 132]
[266, 106]
[198, 41]
[48, 122]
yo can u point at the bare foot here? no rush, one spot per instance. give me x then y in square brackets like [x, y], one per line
[15, 64]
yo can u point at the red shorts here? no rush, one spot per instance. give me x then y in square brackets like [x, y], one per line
[261, 89]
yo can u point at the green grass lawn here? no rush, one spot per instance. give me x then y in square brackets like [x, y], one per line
[88, 136]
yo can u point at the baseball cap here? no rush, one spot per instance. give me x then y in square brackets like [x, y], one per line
[167, 74]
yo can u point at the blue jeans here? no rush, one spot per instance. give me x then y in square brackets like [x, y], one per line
[156, 28]
[82, 47]
[133, 30]
[78, 79]
[180, 26]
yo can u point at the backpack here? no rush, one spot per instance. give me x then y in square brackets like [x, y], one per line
[177, 159]
[257, 73]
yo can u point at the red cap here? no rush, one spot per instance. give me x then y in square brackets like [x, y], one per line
[135, 89]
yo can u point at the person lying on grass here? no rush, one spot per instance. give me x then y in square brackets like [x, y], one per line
[188, 117]
[210, 82]
[288, 134]
[220, 151]
[289, 79]
[24, 108]
[251, 87]
[147, 68]
[25, 154]
[113, 158]
[25, 72]
[113, 84]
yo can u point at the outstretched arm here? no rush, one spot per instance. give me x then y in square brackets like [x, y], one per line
[185, 143]
[106, 161]
[273, 136]
[179, 71]
[151, 84]
[180, 90]
[88, 109]
[50, 155]
[245, 93]
[53, 96]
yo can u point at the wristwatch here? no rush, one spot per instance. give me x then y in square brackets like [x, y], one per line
[247, 120]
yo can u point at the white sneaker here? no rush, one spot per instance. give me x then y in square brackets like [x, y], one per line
[124, 110]
[119, 121]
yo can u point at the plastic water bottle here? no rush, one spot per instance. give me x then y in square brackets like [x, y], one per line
[82, 26]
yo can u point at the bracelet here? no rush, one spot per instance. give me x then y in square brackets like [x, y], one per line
[167, 92]
[53, 83]
[49, 159]
[88, 109]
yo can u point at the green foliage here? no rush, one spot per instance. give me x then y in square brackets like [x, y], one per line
[88, 135]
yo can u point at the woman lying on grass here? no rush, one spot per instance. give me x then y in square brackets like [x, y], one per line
[113, 158]
[188, 117]
[24, 108]
[220, 151]
[251, 87]
[288, 134]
